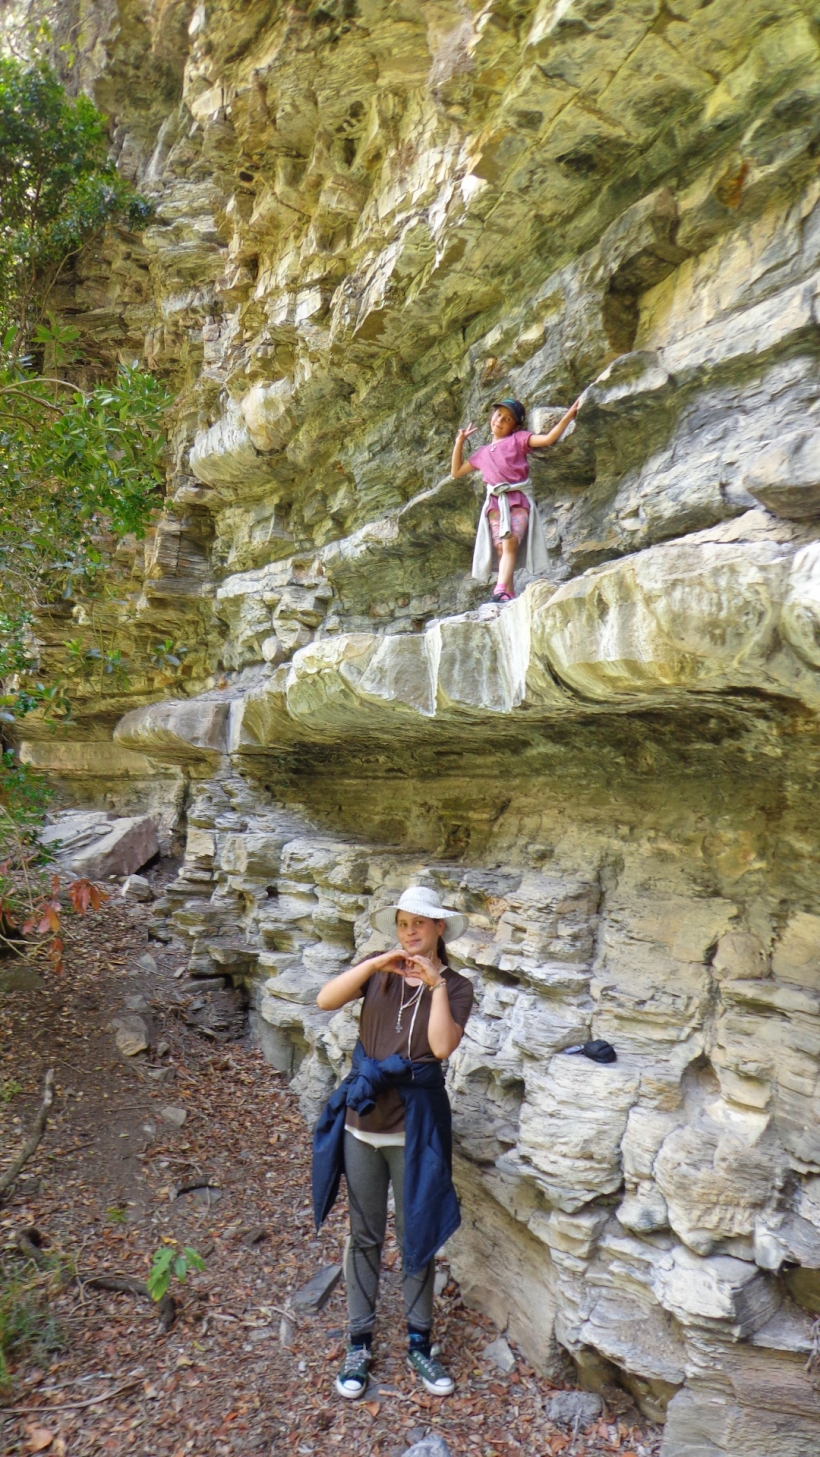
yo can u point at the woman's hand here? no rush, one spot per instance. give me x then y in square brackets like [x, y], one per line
[396, 960]
[465, 432]
[422, 969]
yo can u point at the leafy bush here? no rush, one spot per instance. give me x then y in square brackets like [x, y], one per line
[58, 187]
[32, 897]
[79, 468]
[26, 1325]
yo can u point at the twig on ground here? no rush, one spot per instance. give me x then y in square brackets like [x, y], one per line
[46, 1411]
[63, 1153]
[127, 1285]
[9, 1178]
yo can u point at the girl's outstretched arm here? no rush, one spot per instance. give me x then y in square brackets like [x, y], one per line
[557, 430]
[347, 986]
[457, 469]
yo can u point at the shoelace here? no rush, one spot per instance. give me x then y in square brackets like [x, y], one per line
[433, 1369]
[355, 1359]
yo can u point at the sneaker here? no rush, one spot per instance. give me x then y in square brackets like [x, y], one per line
[434, 1378]
[351, 1381]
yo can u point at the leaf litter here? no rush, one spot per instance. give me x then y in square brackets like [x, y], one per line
[239, 1371]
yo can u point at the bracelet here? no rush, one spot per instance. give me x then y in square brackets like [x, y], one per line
[441, 983]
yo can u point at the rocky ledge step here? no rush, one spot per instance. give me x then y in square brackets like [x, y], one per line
[700, 616]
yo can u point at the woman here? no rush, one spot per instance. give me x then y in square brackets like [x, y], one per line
[389, 1122]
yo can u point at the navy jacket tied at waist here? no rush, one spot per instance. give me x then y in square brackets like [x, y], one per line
[431, 1212]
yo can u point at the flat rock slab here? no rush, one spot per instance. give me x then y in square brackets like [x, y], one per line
[569, 1407]
[91, 846]
[432, 1446]
[500, 1354]
[315, 1295]
[146, 962]
[71, 832]
[128, 845]
[175, 1116]
[131, 1034]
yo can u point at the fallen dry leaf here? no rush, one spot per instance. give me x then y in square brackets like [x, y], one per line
[38, 1438]
[374, 1407]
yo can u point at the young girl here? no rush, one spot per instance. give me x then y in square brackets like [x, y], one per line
[389, 1122]
[509, 516]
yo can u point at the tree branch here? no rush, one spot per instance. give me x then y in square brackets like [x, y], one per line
[33, 1140]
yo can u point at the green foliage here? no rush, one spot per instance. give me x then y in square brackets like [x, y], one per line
[76, 471]
[9, 1089]
[79, 468]
[24, 796]
[58, 186]
[167, 1261]
[26, 1326]
[116, 1214]
[167, 656]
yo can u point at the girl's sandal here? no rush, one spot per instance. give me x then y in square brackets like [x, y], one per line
[504, 595]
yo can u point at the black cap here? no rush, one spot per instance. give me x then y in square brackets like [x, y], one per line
[596, 1051]
[515, 407]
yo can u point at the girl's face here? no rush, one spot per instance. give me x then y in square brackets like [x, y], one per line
[502, 423]
[418, 935]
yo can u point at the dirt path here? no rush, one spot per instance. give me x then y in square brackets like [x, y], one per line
[104, 1192]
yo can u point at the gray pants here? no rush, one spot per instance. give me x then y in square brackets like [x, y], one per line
[368, 1172]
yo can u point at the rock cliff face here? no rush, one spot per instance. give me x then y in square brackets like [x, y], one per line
[372, 219]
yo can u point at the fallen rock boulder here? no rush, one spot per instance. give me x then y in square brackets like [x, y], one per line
[131, 1034]
[89, 845]
[432, 1446]
[137, 888]
[314, 1296]
[173, 1115]
[569, 1407]
[500, 1354]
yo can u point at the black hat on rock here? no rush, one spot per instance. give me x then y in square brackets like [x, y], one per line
[596, 1051]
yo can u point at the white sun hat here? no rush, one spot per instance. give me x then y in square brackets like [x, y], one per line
[419, 900]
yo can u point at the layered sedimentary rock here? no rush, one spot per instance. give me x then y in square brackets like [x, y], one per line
[372, 220]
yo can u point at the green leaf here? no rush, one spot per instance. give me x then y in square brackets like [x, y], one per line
[159, 1277]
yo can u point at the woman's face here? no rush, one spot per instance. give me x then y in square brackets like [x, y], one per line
[418, 935]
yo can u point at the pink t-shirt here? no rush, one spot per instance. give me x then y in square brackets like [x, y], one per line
[504, 460]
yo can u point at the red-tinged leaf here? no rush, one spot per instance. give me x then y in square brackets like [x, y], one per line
[85, 893]
[50, 921]
[78, 895]
[55, 885]
[28, 926]
[558, 1442]
[374, 1407]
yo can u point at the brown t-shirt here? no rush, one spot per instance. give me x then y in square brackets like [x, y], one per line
[383, 993]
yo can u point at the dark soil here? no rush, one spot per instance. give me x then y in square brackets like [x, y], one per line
[233, 1374]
